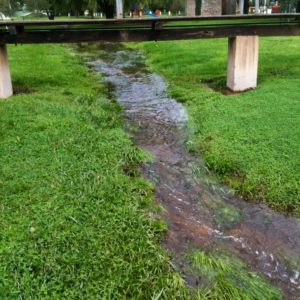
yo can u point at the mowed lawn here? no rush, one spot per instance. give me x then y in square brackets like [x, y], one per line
[250, 140]
[76, 219]
[74, 213]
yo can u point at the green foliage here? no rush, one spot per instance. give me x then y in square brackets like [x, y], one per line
[73, 224]
[77, 7]
[251, 140]
[229, 279]
[173, 5]
[8, 7]
[288, 6]
[227, 215]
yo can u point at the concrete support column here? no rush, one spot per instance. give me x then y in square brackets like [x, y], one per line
[241, 7]
[6, 89]
[242, 63]
[119, 5]
[257, 6]
[191, 8]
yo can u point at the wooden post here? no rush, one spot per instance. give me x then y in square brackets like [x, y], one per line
[242, 63]
[119, 5]
[191, 8]
[6, 89]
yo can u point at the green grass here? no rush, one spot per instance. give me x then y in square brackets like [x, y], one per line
[225, 278]
[74, 213]
[250, 140]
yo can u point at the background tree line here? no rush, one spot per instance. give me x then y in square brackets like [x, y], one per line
[77, 7]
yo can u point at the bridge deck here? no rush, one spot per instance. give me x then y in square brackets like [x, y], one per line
[148, 29]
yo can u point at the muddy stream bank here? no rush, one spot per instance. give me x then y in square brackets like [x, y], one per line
[200, 214]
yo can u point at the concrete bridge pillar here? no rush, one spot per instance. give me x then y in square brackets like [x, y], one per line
[242, 63]
[6, 89]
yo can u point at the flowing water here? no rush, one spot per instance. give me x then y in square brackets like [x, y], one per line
[199, 213]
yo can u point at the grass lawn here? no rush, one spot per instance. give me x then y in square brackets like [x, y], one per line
[75, 215]
[73, 224]
[250, 140]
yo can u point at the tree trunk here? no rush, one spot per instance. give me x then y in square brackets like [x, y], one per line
[246, 7]
[228, 7]
[298, 7]
[109, 11]
[51, 13]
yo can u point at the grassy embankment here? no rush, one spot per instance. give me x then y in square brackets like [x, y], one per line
[250, 140]
[74, 224]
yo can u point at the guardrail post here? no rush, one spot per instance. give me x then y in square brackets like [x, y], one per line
[242, 63]
[6, 89]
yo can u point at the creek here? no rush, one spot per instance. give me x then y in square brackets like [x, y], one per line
[199, 212]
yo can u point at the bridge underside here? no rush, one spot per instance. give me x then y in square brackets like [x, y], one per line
[242, 31]
[148, 29]
[139, 35]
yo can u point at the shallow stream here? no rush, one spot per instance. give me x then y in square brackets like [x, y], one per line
[199, 213]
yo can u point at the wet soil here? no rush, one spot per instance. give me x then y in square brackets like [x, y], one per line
[22, 90]
[199, 213]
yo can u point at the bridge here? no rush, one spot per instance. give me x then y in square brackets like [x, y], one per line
[242, 31]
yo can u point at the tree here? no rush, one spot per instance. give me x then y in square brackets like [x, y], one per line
[51, 7]
[8, 7]
[288, 6]
[108, 7]
[92, 7]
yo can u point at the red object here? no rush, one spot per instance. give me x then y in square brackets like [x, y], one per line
[158, 12]
[275, 9]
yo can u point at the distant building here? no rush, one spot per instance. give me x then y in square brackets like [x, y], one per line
[191, 8]
[208, 8]
[211, 8]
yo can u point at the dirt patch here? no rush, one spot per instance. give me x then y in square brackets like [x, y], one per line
[222, 89]
[22, 90]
